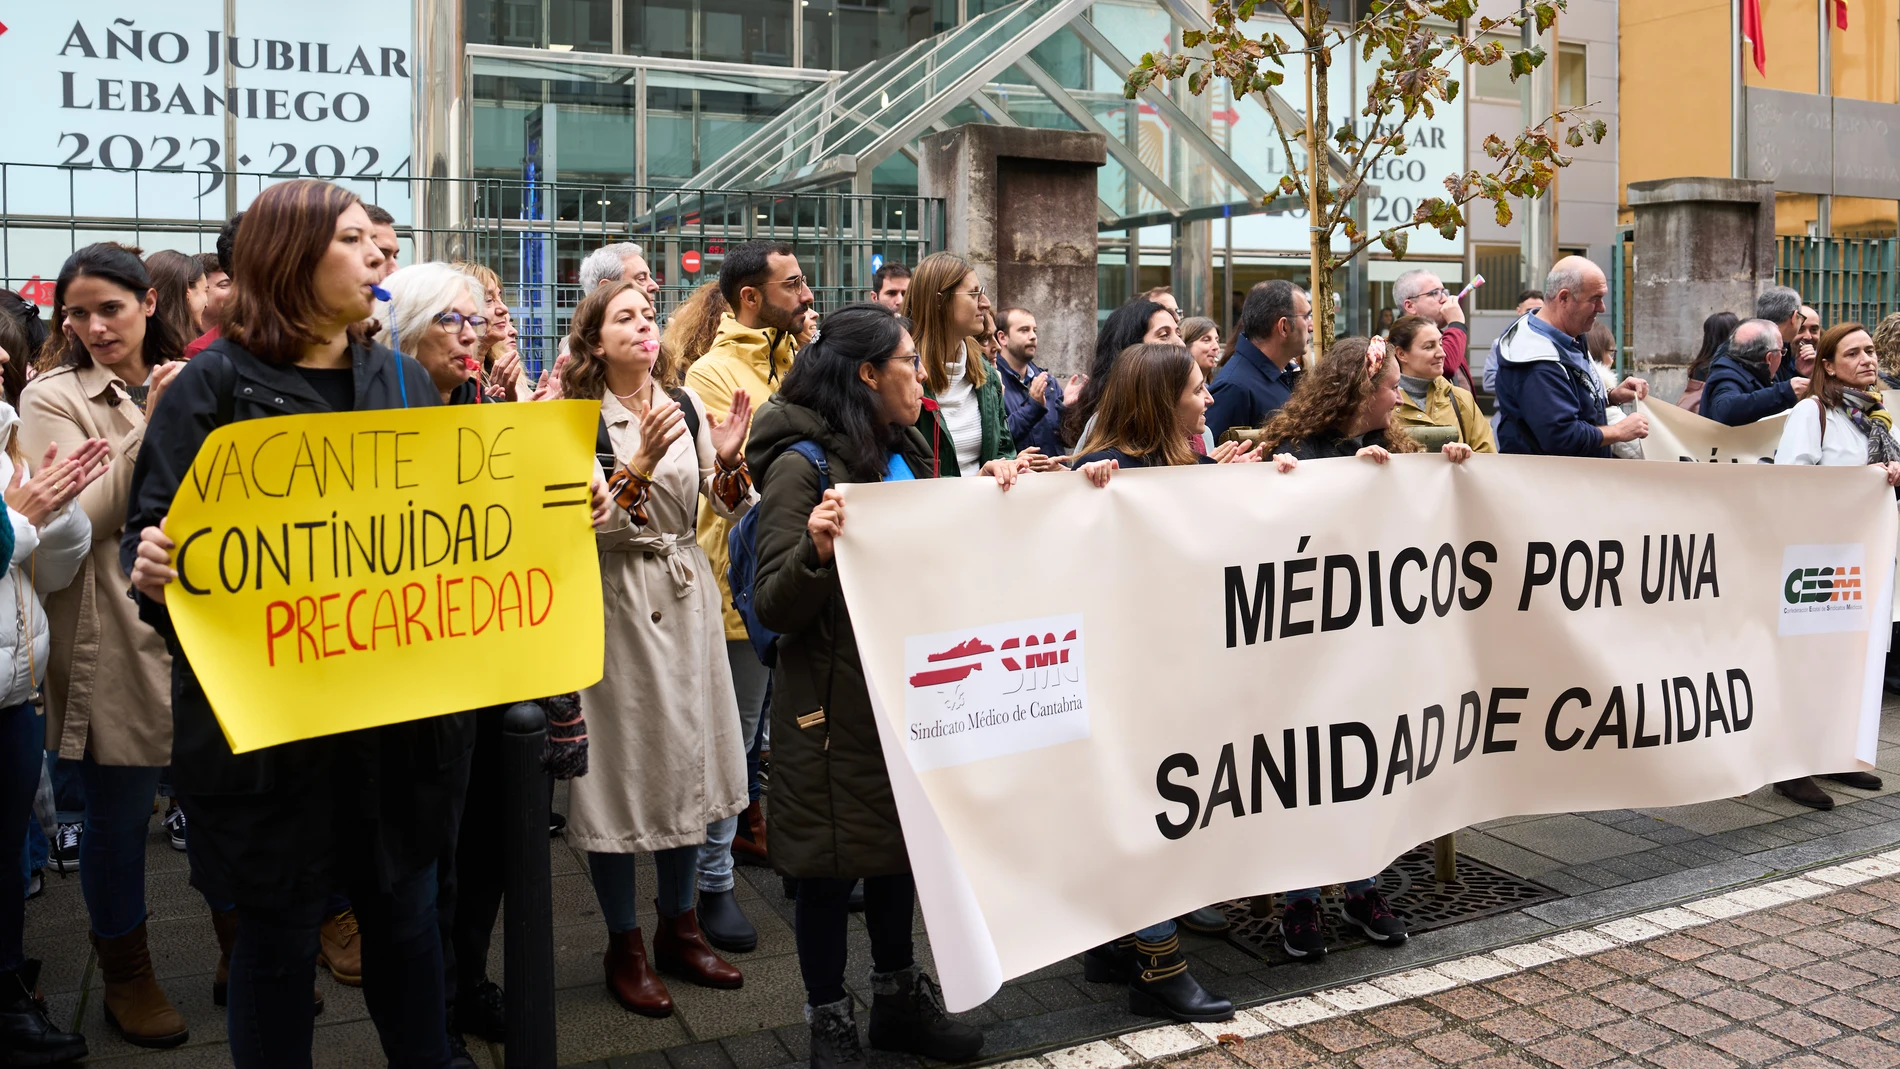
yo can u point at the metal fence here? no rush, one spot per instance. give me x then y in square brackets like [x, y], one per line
[532, 234]
[1847, 280]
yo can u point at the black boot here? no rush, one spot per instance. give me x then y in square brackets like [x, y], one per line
[907, 1015]
[725, 926]
[1805, 791]
[27, 1034]
[1110, 963]
[834, 1036]
[1860, 781]
[481, 1011]
[1163, 987]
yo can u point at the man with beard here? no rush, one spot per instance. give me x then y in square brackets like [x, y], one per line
[769, 297]
[1032, 400]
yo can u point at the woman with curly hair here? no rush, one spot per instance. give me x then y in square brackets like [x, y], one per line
[1887, 349]
[693, 327]
[1343, 408]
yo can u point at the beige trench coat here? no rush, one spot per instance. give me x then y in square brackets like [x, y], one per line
[664, 756]
[108, 678]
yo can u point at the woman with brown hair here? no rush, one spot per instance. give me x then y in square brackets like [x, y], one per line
[963, 418]
[182, 289]
[1841, 422]
[665, 756]
[1343, 408]
[276, 830]
[1426, 397]
[693, 326]
[1154, 402]
[1153, 405]
[108, 678]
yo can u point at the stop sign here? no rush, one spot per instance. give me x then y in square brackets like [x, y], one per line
[689, 260]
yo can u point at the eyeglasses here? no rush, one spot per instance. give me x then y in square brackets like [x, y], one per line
[795, 283]
[976, 293]
[451, 322]
[916, 361]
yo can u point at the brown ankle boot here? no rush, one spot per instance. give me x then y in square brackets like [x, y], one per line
[225, 923]
[750, 841]
[134, 1002]
[680, 948]
[630, 980]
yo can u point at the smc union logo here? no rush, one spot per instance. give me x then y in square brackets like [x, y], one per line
[994, 689]
[1821, 590]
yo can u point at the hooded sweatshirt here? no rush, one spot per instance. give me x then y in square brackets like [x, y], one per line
[1550, 401]
[741, 358]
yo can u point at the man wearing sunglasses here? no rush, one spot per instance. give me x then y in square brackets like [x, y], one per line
[1421, 293]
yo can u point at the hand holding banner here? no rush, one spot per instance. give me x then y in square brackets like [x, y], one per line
[348, 570]
[1339, 663]
[1676, 435]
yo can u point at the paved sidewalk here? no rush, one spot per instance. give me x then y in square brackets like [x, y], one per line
[1793, 974]
[1604, 866]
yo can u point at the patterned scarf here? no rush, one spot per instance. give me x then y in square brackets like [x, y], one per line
[1868, 414]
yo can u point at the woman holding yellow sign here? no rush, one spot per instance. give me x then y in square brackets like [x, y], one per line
[664, 753]
[276, 829]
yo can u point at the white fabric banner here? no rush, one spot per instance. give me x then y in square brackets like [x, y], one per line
[1245, 682]
[1675, 435]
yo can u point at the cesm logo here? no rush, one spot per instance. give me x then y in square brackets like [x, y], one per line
[1821, 591]
[996, 689]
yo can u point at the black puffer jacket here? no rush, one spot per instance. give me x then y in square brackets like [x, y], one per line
[284, 823]
[831, 811]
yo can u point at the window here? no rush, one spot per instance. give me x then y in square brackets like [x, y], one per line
[581, 25]
[505, 22]
[842, 34]
[1494, 82]
[1573, 76]
[730, 31]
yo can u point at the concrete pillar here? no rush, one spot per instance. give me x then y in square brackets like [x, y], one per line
[1703, 245]
[443, 131]
[1019, 204]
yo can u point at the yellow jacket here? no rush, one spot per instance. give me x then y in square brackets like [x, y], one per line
[1448, 406]
[737, 361]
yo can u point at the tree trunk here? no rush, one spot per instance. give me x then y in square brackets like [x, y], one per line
[1319, 233]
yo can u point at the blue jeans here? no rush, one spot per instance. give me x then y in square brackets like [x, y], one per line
[69, 795]
[619, 893]
[22, 733]
[1155, 933]
[276, 954]
[1311, 894]
[112, 851]
[749, 682]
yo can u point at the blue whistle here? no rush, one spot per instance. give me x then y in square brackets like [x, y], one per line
[380, 293]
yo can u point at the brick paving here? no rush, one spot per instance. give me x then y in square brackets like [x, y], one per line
[1810, 984]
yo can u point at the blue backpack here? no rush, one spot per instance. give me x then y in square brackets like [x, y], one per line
[742, 549]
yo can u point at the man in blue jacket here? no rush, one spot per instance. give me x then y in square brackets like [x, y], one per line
[1743, 384]
[1256, 381]
[1550, 400]
[1032, 398]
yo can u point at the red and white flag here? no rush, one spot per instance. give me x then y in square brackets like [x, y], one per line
[1751, 32]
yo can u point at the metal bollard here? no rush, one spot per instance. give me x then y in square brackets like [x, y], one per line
[528, 913]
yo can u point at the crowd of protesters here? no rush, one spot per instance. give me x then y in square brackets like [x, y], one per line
[372, 853]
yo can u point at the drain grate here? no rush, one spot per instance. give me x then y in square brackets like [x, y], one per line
[1409, 886]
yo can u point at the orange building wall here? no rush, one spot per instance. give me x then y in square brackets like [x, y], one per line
[1677, 51]
[1673, 89]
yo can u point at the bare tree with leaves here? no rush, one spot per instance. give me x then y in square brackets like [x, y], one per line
[1415, 42]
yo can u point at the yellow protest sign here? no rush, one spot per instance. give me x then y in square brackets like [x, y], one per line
[348, 570]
